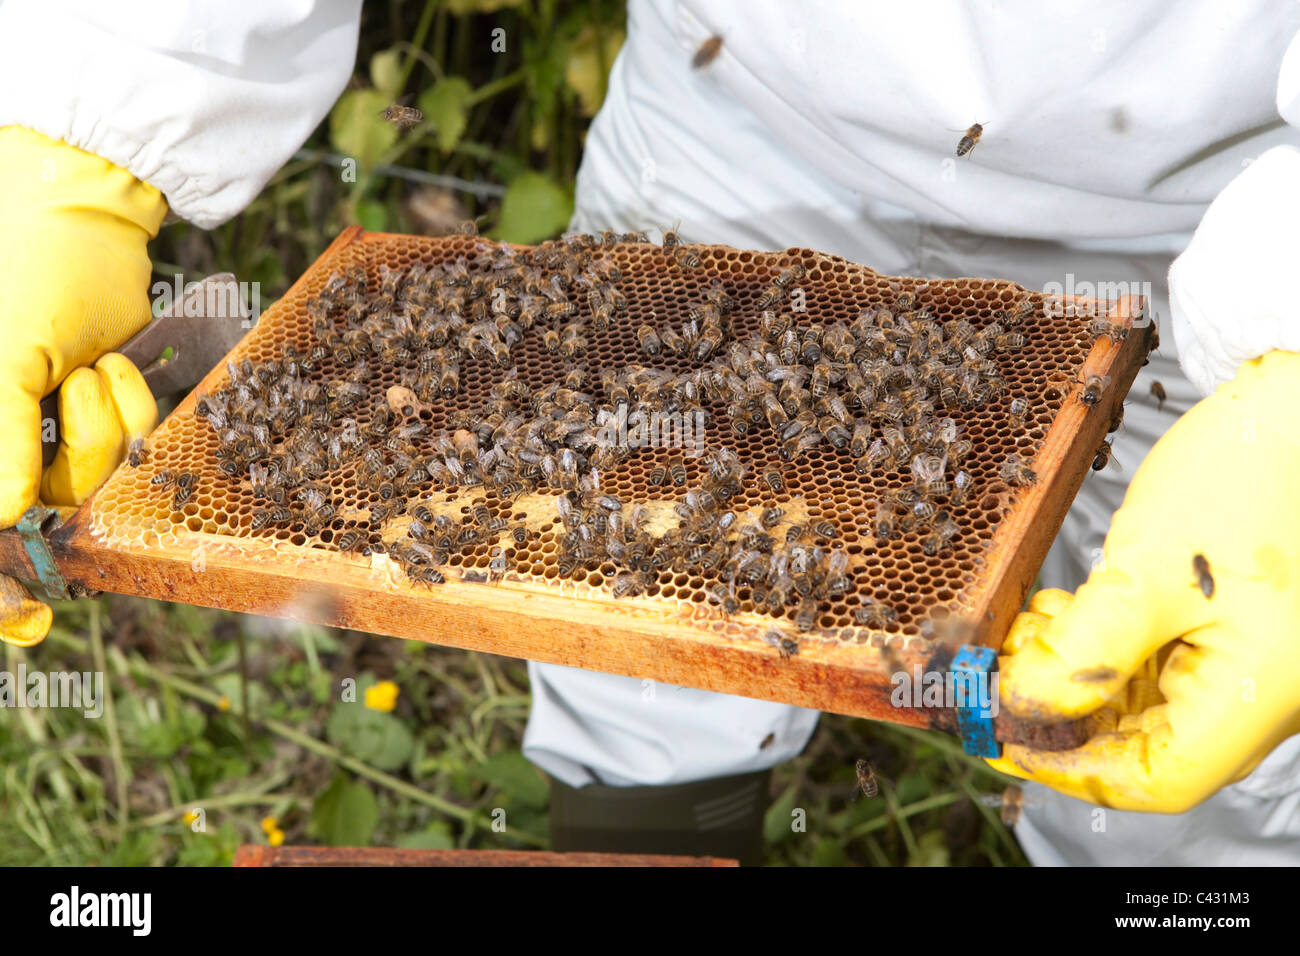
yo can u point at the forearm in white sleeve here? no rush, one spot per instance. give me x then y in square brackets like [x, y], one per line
[204, 100]
[1232, 290]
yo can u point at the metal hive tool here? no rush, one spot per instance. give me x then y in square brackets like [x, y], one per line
[213, 554]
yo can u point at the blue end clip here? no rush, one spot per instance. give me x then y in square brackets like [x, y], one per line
[976, 699]
[30, 529]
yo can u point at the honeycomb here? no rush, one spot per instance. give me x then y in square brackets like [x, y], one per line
[820, 488]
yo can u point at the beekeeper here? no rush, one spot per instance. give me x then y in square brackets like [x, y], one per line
[1109, 130]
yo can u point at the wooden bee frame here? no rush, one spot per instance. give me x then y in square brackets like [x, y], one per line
[578, 626]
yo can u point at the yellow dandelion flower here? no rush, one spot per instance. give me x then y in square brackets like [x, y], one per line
[269, 824]
[382, 696]
[224, 703]
[275, 836]
[190, 817]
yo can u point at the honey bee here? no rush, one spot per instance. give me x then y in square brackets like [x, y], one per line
[163, 478]
[724, 597]
[1016, 471]
[136, 455]
[1017, 411]
[402, 117]
[627, 584]
[866, 785]
[970, 138]
[659, 476]
[774, 481]
[876, 614]
[1008, 342]
[1105, 456]
[427, 575]
[886, 519]
[708, 52]
[686, 258]
[648, 340]
[1159, 394]
[1104, 327]
[1201, 571]
[678, 473]
[1093, 387]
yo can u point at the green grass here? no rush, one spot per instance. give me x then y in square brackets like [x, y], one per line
[502, 144]
[430, 774]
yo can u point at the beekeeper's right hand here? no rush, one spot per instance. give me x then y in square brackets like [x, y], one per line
[74, 278]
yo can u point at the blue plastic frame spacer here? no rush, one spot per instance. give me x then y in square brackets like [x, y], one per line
[38, 549]
[975, 722]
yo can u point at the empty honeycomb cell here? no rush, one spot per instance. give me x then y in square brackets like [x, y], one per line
[821, 482]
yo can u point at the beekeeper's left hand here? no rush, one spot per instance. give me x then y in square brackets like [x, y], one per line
[1186, 691]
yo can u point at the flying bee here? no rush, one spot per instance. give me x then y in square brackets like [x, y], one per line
[1016, 471]
[1093, 386]
[866, 785]
[136, 455]
[1204, 579]
[1159, 394]
[970, 138]
[708, 52]
[402, 117]
[1105, 456]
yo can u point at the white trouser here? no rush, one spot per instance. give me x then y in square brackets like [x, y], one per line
[640, 171]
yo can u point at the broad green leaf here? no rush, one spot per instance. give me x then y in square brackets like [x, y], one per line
[345, 814]
[777, 820]
[386, 72]
[446, 105]
[590, 58]
[511, 775]
[372, 215]
[357, 129]
[535, 207]
[379, 739]
[436, 837]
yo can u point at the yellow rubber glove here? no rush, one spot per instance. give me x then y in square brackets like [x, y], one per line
[74, 276]
[1187, 692]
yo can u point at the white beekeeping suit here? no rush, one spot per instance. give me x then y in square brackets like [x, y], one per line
[1109, 129]
[205, 101]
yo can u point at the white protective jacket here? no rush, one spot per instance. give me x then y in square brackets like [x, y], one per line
[1110, 127]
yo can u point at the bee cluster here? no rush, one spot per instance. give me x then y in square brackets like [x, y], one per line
[883, 391]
